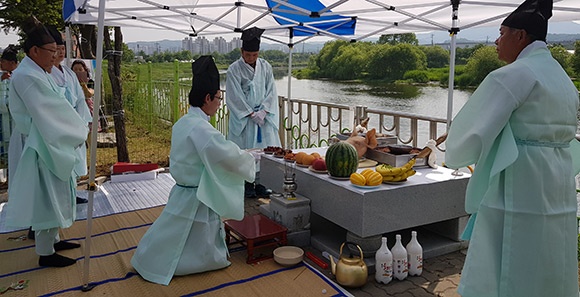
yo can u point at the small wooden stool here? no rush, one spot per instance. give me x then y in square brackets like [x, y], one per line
[255, 231]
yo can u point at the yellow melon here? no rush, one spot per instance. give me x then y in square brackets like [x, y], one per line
[358, 179]
[374, 179]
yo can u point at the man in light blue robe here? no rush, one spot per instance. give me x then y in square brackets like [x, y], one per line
[519, 129]
[209, 171]
[43, 190]
[8, 63]
[252, 101]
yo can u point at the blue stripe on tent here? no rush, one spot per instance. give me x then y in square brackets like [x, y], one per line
[68, 8]
[343, 27]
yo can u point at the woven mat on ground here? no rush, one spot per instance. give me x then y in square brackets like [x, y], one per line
[114, 240]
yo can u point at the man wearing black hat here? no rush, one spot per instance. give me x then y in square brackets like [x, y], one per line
[67, 79]
[252, 102]
[209, 172]
[519, 129]
[8, 63]
[42, 189]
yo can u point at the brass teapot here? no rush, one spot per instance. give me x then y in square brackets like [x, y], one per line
[352, 271]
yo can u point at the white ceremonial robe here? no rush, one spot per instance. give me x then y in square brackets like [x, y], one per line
[76, 97]
[43, 191]
[209, 171]
[517, 128]
[249, 90]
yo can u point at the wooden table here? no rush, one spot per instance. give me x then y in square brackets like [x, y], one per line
[256, 231]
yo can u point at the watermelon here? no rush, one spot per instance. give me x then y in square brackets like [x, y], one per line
[341, 159]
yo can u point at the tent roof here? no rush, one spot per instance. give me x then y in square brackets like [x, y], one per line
[373, 17]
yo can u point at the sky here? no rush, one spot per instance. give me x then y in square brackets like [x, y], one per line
[140, 34]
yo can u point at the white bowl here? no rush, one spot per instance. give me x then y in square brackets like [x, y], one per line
[288, 255]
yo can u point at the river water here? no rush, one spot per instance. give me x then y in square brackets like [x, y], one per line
[421, 100]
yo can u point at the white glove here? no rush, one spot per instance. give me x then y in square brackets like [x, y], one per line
[257, 119]
[261, 114]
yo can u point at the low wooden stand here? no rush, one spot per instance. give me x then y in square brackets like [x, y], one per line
[253, 232]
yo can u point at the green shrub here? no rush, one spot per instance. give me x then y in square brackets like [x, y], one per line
[418, 76]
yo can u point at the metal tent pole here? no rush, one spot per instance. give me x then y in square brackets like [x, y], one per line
[453, 33]
[93, 154]
[289, 143]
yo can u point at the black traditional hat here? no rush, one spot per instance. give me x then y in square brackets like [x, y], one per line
[251, 39]
[55, 34]
[36, 34]
[206, 79]
[10, 53]
[531, 16]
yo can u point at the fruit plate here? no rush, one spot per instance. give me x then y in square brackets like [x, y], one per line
[395, 182]
[316, 171]
[365, 187]
[339, 178]
[367, 163]
[302, 165]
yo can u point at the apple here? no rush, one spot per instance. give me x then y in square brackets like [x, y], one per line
[319, 164]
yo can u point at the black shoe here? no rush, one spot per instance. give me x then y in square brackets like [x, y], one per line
[249, 190]
[261, 191]
[55, 260]
[30, 233]
[65, 245]
[82, 200]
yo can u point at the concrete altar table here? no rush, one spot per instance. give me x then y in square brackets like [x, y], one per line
[432, 200]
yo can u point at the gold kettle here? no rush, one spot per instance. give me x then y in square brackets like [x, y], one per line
[352, 271]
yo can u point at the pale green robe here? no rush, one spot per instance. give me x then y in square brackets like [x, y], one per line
[76, 97]
[43, 191]
[517, 128]
[209, 172]
[249, 90]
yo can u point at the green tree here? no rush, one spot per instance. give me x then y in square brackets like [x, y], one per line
[482, 62]
[575, 59]
[393, 39]
[350, 61]
[462, 55]
[391, 62]
[128, 54]
[327, 53]
[13, 13]
[562, 56]
[437, 57]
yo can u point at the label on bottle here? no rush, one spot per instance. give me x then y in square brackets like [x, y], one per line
[415, 264]
[400, 267]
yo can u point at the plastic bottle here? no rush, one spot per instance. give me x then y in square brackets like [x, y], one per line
[383, 264]
[415, 252]
[400, 264]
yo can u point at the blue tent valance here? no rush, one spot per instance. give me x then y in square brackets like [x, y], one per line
[285, 14]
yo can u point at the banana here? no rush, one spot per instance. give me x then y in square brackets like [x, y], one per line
[388, 178]
[385, 170]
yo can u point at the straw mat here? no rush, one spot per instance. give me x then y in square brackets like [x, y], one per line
[114, 240]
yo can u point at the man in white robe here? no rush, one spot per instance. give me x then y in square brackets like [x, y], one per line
[209, 171]
[519, 129]
[252, 102]
[67, 79]
[43, 190]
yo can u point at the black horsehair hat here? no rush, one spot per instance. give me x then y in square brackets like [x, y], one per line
[36, 33]
[55, 34]
[251, 39]
[531, 16]
[206, 80]
[10, 53]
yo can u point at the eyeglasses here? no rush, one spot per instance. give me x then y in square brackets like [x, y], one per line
[220, 97]
[54, 52]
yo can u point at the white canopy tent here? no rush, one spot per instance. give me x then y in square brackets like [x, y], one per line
[230, 17]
